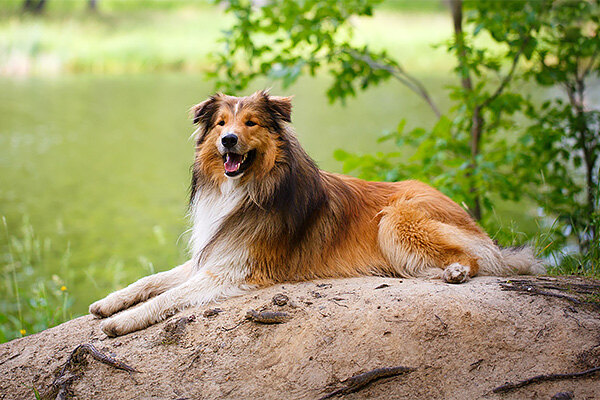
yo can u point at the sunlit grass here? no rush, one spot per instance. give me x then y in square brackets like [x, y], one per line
[32, 300]
[559, 255]
[30, 305]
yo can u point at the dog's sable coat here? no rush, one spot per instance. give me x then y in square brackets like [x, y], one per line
[263, 213]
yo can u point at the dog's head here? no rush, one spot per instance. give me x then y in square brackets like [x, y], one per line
[240, 136]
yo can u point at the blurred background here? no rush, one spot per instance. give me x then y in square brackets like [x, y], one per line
[95, 148]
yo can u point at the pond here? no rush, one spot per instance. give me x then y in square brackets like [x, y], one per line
[94, 170]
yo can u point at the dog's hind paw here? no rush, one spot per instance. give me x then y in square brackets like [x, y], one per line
[456, 273]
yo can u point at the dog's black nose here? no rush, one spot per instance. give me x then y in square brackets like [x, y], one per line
[229, 140]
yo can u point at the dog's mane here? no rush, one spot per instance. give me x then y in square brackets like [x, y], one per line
[281, 207]
[295, 191]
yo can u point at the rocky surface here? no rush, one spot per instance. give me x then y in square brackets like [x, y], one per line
[462, 341]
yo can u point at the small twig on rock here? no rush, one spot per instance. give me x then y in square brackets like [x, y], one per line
[563, 396]
[357, 382]
[88, 348]
[336, 301]
[211, 312]
[476, 364]
[235, 326]
[64, 388]
[543, 378]
[324, 285]
[262, 317]
[444, 325]
[61, 383]
[565, 286]
[10, 358]
[267, 317]
[532, 290]
[280, 299]
[579, 293]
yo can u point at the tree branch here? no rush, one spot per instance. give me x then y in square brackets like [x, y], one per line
[591, 64]
[402, 76]
[508, 76]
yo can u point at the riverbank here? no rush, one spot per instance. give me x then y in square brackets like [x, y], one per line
[146, 40]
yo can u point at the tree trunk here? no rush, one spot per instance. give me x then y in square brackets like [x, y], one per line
[28, 5]
[476, 130]
[589, 160]
[456, 10]
[585, 138]
[40, 6]
[477, 122]
[33, 6]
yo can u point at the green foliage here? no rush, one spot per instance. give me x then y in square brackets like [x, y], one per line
[286, 38]
[479, 151]
[550, 145]
[311, 35]
[413, 6]
[436, 158]
[485, 104]
[32, 300]
[564, 140]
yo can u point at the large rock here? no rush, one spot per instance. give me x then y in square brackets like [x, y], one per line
[464, 340]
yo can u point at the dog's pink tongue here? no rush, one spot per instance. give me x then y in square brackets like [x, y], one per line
[232, 162]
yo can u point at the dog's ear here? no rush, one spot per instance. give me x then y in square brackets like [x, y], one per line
[203, 112]
[279, 107]
[282, 106]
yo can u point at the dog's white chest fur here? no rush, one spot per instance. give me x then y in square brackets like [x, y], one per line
[209, 210]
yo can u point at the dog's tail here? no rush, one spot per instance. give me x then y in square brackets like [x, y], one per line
[521, 261]
[509, 261]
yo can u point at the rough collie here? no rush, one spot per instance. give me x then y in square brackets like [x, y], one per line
[263, 213]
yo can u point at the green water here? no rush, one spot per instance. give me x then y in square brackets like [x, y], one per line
[99, 166]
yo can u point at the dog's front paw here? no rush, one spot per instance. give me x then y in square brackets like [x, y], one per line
[456, 273]
[119, 325]
[110, 328]
[104, 308]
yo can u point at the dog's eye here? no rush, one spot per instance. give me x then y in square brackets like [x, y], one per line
[250, 123]
[221, 123]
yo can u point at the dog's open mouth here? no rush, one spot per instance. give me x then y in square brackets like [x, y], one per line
[235, 164]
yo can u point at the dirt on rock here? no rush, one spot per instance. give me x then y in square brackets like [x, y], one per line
[459, 342]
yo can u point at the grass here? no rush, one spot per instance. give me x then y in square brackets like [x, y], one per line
[32, 301]
[31, 308]
[585, 263]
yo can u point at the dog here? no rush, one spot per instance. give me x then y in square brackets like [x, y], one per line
[263, 213]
